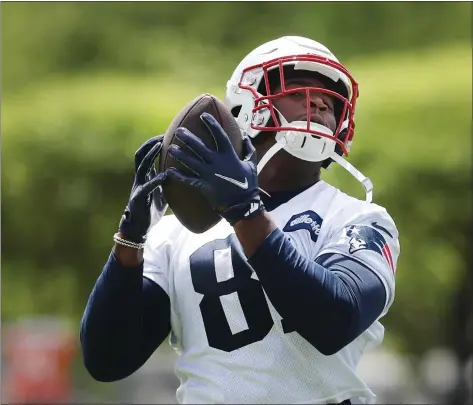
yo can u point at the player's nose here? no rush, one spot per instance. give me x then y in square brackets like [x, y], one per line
[316, 101]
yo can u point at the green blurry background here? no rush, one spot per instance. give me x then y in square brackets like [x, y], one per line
[84, 84]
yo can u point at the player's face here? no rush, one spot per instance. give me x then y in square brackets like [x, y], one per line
[284, 171]
[294, 106]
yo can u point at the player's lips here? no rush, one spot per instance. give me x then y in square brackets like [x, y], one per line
[314, 118]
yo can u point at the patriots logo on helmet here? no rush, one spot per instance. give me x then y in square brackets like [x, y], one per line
[363, 237]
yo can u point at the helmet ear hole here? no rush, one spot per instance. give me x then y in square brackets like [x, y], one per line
[236, 110]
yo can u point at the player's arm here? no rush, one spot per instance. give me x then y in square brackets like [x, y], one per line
[329, 301]
[127, 315]
[125, 320]
[254, 231]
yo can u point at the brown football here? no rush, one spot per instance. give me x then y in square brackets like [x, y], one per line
[187, 204]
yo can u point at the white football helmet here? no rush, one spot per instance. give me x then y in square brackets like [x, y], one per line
[250, 98]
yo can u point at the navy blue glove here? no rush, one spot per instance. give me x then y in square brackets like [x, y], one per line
[146, 190]
[229, 184]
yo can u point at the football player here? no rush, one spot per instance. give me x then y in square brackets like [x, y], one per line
[279, 300]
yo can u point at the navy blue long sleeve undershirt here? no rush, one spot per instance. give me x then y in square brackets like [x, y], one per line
[126, 318]
[329, 302]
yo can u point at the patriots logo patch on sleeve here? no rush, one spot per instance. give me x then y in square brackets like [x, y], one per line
[363, 237]
[308, 220]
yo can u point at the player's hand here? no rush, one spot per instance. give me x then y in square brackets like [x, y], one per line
[146, 191]
[229, 184]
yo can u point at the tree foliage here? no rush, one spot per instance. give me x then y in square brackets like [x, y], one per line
[97, 79]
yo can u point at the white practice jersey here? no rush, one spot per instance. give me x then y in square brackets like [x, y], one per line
[232, 343]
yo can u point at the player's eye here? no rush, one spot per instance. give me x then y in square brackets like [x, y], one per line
[297, 94]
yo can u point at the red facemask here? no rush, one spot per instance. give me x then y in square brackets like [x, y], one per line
[344, 132]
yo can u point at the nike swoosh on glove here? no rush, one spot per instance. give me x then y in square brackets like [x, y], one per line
[229, 184]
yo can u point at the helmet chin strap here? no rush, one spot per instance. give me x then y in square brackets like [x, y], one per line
[282, 143]
[365, 181]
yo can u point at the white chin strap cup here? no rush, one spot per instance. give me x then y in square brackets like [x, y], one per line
[365, 181]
